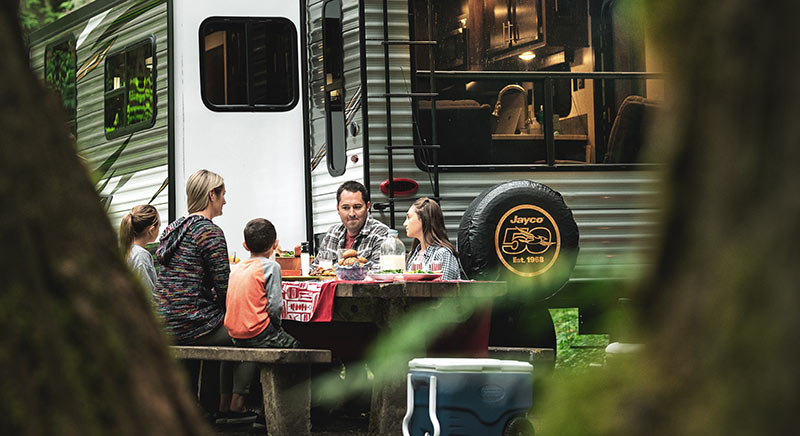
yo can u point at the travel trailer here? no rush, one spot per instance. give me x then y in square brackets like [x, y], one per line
[451, 99]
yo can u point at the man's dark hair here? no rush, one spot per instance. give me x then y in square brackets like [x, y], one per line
[352, 186]
[259, 235]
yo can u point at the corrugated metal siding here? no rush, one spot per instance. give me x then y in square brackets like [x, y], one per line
[142, 167]
[323, 185]
[324, 190]
[616, 211]
[352, 69]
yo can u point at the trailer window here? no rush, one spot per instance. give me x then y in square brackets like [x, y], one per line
[60, 66]
[130, 103]
[248, 64]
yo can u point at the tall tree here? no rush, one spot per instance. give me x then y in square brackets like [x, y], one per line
[720, 308]
[81, 351]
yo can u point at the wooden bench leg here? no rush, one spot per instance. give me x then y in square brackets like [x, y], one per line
[287, 399]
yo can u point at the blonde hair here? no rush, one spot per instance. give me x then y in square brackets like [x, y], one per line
[137, 221]
[198, 188]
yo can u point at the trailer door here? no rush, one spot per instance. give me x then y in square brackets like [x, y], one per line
[239, 112]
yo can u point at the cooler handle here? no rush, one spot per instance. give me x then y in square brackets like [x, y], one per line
[409, 407]
[432, 406]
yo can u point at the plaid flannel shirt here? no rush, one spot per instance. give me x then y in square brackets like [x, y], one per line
[368, 241]
[451, 269]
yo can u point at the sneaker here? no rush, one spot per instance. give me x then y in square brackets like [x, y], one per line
[260, 422]
[245, 417]
[219, 417]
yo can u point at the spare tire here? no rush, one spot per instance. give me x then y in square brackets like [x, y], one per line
[522, 232]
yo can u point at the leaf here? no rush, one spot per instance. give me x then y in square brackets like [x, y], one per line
[101, 171]
[122, 181]
[100, 189]
[163, 186]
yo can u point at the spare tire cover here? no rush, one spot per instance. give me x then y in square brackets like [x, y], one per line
[520, 231]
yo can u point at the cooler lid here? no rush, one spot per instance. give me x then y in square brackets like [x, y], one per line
[475, 365]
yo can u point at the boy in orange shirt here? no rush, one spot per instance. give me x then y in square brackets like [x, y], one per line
[254, 301]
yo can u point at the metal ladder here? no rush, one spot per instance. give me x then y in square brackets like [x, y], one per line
[389, 95]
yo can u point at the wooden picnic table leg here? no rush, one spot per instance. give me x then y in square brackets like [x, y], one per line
[388, 405]
[287, 399]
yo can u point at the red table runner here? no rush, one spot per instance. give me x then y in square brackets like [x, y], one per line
[308, 301]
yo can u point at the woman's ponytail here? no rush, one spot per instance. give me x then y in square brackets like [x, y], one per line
[126, 234]
[135, 223]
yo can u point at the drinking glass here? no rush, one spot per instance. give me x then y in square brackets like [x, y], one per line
[325, 259]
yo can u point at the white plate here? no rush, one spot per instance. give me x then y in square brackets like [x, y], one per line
[386, 277]
[416, 277]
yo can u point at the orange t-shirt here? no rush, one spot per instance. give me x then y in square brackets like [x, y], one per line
[254, 295]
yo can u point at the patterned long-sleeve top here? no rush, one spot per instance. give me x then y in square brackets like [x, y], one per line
[368, 241]
[450, 266]
[193, 282]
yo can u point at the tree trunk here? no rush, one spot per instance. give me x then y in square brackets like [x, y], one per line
[726, 287]
[721, 307]
[81, 351]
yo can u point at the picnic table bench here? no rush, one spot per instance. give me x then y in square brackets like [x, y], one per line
[285, 381]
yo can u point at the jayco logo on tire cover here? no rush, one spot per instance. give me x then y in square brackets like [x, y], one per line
[527, 240]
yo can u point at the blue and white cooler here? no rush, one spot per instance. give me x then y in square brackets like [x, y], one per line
[466, 397]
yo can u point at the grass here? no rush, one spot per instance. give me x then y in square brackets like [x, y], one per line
[575, 351]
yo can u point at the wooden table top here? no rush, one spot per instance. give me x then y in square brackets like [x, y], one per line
[421, 289]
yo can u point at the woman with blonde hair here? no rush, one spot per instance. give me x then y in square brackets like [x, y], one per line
[431, 247]
[138, 228]
[193, 283]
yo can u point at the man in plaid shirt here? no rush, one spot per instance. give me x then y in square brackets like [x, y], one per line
[358, 229]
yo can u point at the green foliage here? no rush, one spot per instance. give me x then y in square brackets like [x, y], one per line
[575, 351]
[34, 14]
[60, 67]
[140, 99]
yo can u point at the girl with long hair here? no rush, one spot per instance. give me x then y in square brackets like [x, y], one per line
[137, 229]
[425, 223]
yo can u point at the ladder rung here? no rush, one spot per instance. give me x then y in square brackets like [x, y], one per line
[409, 198]
[410, 147]
[402, 42]
[406, 94]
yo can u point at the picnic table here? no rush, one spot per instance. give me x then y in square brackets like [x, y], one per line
[347, 317]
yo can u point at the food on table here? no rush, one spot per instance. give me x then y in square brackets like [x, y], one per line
[351, 266]
[322, 272]
[281, 253]
[421, 271]
[390, 271]
[351, 258]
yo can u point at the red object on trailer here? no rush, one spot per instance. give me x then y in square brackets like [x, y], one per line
[403, 187]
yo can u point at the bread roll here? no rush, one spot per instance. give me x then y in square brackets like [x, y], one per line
[350, 261]
[349, 253]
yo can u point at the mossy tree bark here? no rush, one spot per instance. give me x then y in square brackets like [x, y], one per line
[720, 308]
[81, 351]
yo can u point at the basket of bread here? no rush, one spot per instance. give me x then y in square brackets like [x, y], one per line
[351, 266]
